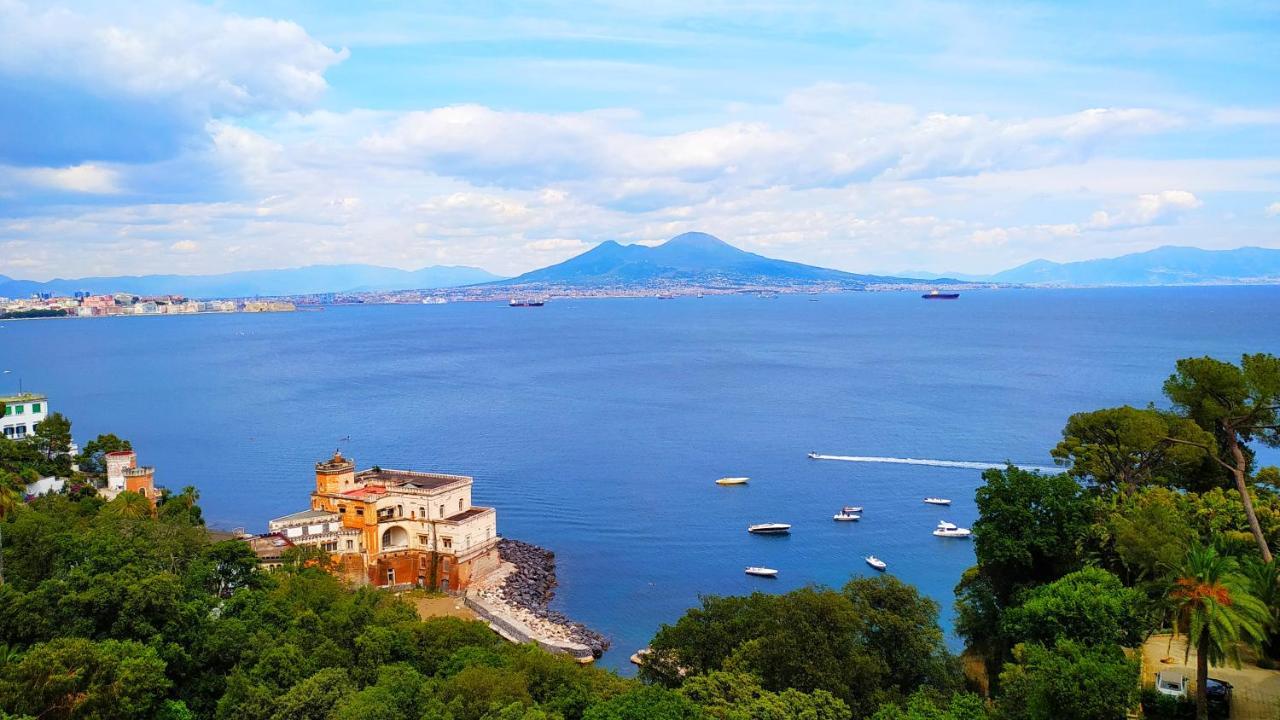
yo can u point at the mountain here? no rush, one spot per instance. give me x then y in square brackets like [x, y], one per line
[292, 281]
[693, 257]
[1167, 265]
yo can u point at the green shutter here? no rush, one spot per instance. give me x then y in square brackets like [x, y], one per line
[35, 408]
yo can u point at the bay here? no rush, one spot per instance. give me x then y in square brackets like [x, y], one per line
[597, 427]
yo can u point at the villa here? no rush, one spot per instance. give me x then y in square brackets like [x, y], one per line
[393, 528]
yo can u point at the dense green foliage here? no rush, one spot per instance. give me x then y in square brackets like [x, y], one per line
[1160, 517]
[875, 641]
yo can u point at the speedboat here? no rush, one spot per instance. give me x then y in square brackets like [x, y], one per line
[876, 562]
[732, 481]
[848, 513]
[813, 455]
[946, 529]
[762, 572]
[770, 529]
[937, 501]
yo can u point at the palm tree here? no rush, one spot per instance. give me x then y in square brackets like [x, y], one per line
[1211, 599]
[1264, 584]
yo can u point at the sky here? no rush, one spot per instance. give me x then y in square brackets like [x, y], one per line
[157, 137]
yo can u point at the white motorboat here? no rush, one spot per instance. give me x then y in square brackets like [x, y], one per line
[951, 530]
[848, 513]
[876, 562]
[937, 501]
[769, 529]
[762, 572]
[732, 481]
[813, 455]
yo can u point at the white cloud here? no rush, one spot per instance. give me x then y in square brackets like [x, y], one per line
[1147, 209]
[199, 56]
[1273, 209]
[87, 178]
[185, 246]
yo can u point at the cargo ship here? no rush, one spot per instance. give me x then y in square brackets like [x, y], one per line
[525, 303]
[935, 295]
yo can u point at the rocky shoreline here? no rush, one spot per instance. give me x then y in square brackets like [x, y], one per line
[526, 584]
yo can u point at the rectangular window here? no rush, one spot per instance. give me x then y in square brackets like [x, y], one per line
[348, 544]
[35, 408]
[422, 540]
[447, 542]
[19, 409]
[360, 511]
[8, 409]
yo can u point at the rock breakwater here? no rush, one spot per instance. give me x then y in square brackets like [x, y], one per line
[526, 584]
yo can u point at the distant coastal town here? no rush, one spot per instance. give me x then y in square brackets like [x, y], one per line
[47, 305]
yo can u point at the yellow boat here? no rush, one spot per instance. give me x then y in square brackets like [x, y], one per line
[732, 481]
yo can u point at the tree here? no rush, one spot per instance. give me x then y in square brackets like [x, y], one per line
[646, 703]
[1264, 584]
[1069, 680]
[901, 627]
[71, 678]
[1090, 606]
[739, 696]
[1031, 528]
[11, 487]
[924, 705]
[1124, 448]
[1238, 405]
[1151, 532]
[91, 459]
[53, 436]
[1211, 600]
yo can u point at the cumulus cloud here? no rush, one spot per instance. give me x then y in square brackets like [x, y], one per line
[87, 178]
[1147, 209]
[192, 53]
[817, 137]
[185, 246]
[1273, 209]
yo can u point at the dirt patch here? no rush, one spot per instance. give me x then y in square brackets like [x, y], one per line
[430, 606]
[1255, 692]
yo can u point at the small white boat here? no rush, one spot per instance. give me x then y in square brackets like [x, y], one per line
[769, 529]
[813, 455]
[848, 513]
[951, 530]
[732, 481]
[876, 562]
[937, 501]
[762, 572]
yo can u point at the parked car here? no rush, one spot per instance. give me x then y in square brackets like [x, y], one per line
[1219, 692]
[1172, 683]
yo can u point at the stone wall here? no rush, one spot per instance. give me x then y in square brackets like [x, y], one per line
[512, 629]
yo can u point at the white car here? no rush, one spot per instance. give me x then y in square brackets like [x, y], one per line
[1172, 683]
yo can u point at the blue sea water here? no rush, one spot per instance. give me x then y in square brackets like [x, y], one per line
[597, 427]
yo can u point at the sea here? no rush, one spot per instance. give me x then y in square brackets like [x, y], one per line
[597, 427]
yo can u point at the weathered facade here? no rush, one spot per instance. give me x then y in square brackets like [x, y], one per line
[396, 527]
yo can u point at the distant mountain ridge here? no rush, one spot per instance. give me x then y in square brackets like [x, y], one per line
[692, 257]
[309, 280]
[1167, 265]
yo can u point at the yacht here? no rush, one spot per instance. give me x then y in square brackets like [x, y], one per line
[937, 501]
[848, 513]
[732, 481]
[770, 529]
[876, 562]
[946, 529]
[762, 572]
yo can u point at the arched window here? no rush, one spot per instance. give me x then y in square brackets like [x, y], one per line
[395, 537]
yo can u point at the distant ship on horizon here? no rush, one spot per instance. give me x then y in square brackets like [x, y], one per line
[936, 295]
[516, 302]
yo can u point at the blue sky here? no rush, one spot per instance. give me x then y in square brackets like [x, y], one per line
[873, 137]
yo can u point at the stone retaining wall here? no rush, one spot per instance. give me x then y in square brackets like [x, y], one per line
[516, 631]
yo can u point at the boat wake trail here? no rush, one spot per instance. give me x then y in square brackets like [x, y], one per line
[965, 464]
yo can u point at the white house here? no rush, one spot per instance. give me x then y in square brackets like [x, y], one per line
[21, 414]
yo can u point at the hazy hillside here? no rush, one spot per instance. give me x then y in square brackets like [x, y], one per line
[1162, 266]
[691, 257]
[292, 281]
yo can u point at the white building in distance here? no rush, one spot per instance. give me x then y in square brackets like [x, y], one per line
[22, 413]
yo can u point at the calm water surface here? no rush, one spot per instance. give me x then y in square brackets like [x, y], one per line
[598, 427]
